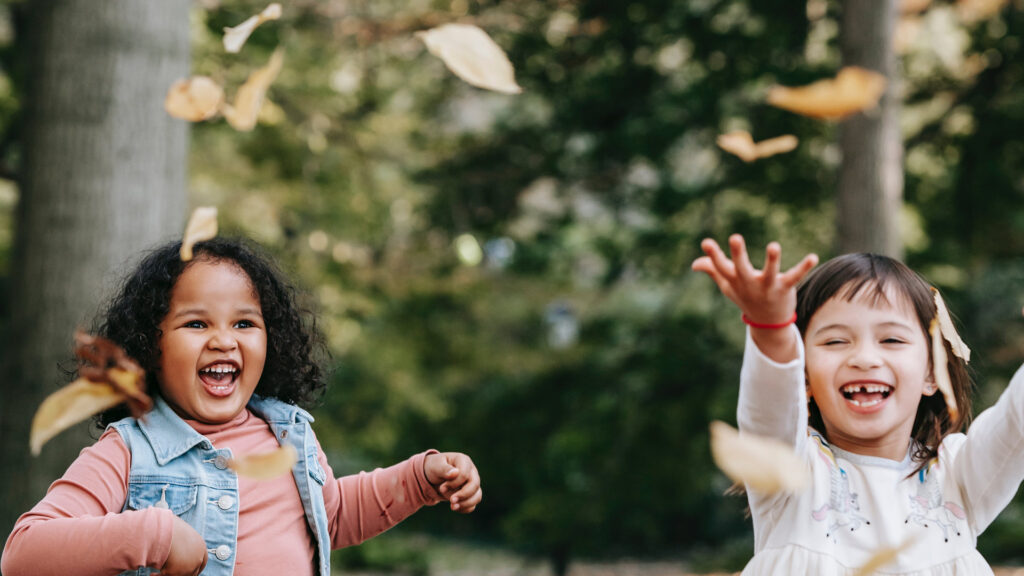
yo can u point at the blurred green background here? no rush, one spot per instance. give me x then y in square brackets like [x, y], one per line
[508, 275]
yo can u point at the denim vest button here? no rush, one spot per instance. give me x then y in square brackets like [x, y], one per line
[225, 502]
[284, 434]
[221, 462]
[222, 552]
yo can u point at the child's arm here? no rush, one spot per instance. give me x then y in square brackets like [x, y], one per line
[989, 467]
[363, 505]
[763, 296]
[78, 528]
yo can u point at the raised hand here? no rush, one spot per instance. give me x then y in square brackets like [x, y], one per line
[456, 478]
[764, 296]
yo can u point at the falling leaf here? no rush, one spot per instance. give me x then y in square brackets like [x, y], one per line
[235, 37]
[742, 144]
[266, 465]
[103, 362]
[940, 369]
[948, 330]
[882, 558]
[194, 99]
[763, 464]
[976, 10]
[472, 55]
[202, 225]
[108, 378]
[69, 406]
[246, 109]
[914, 6]
[852, 90]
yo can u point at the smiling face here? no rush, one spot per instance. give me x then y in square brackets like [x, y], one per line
[867, 369]
[213, 342]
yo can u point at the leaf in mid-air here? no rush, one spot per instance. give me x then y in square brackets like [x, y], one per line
[956, 344]
[883, 557]
[765, 465]
[266, 465]
[940, 369]
[69, 406]
[235, 37]
[194, 99]
[202, 225]
[242, 115]
[473, 56]
[742, 145]
[852, 90]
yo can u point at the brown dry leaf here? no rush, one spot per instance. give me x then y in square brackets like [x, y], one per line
[883, 557]
[69, 406]
[194, 99]
[741, 143]
[103, 362]
[971, 11]
[763, 464]
[940, 369]
[472, 55]
[852, 90]
[202, 225]
[243, 114]
[235, 37]
[266, 465]
[949, 332]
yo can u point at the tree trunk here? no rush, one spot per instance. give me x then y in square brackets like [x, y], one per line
[103, 177]
[871, 174]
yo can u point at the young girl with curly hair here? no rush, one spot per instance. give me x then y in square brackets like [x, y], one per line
[839, 365]
[229, 356]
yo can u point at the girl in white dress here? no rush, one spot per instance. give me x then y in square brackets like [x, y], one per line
[838, 364]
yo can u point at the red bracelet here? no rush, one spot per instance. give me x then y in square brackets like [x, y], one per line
[752, 324]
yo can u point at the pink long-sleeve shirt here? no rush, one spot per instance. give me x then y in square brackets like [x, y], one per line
[79, 528]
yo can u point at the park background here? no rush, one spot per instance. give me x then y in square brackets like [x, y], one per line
[508, 274]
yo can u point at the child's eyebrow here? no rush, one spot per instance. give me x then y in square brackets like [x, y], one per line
[887, 324]
[199, 311]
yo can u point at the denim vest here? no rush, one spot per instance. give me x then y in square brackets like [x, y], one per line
[175, 467]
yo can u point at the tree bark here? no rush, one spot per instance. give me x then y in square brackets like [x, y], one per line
[104, 176]
[870, 190]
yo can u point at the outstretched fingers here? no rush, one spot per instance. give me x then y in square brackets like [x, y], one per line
[795, 274]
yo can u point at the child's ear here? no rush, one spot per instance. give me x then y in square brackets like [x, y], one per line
[929, 386]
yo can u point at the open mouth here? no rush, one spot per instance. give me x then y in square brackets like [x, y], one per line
[219, 378]
[865, 395]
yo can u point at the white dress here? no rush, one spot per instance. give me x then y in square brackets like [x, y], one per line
[858, 505]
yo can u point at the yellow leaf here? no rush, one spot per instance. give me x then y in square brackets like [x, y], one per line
[974, 10]
[763, 464]
[883, 557]
[68, 406]
[472, 55]
[235, 37]
[948, 330]
[940, 369]
[243, 114]
[742, 145]
[201, 226]
[266, 465]
[194, 99]
[852, 90]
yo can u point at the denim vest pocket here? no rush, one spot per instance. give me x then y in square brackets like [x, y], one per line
[178, 496]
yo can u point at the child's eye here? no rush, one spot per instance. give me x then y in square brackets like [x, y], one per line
[834, 342]
[194, 324]
[893, 341]
[244, 324]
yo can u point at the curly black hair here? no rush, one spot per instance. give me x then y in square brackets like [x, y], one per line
[295, 346]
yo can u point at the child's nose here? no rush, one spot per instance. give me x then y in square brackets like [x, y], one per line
[222, 341]
[864, 356]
